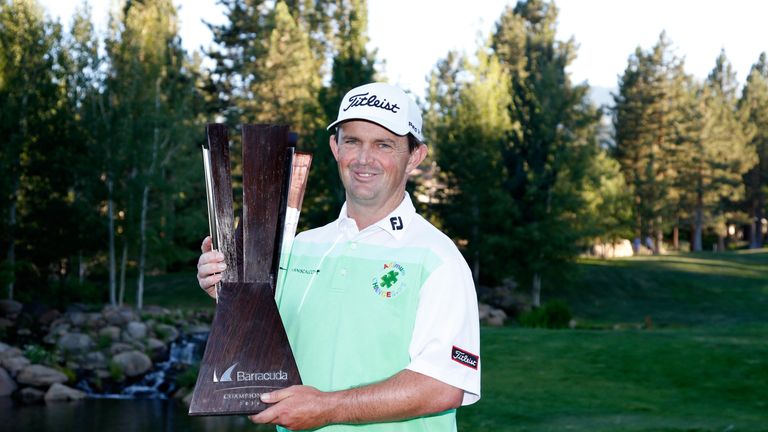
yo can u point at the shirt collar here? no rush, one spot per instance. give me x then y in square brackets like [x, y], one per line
[394, 223]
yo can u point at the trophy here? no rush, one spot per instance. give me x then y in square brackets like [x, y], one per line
[247, 352]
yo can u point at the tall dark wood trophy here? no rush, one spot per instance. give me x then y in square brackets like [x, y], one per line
[248, 353]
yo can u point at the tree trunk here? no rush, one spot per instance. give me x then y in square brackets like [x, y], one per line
[536, 291]
[676, 238]
[111, 228]
[142, 248]
[11, 254]
[720, 243]
[123, 265]
[697, 228]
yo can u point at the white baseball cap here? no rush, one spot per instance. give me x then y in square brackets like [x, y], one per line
[383, 104]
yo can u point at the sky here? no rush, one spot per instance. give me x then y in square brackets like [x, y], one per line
[411, 36]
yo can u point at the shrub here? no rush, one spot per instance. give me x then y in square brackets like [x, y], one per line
[553, 314]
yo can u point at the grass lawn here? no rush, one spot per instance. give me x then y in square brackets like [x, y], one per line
[703, 366]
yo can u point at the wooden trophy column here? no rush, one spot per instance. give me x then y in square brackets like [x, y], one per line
[247, 353]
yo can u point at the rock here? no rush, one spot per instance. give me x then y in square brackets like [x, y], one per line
[133, 363]
[155, 311]
[136, 330]
[10, 308]
[58, 328]
[76, 318]
[491, 316]
[31, 395]
[75, 343]
[10, 351]
[14, 365]
[62, 393]
[157, 348]
[94, 360]
[48, 317]
[167, 333]
[40, 376]
[112, 332]
[119, 347]
[3, 347]
[7, 384]
[118, 316]
[94, 320]
[5, 323]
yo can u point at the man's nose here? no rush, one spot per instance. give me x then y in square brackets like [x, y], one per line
[364, 154]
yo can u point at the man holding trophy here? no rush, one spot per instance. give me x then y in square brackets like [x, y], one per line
[379, 306]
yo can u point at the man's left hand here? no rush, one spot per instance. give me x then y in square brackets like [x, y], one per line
[296, 408]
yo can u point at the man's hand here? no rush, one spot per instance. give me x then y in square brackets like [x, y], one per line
[297, 408]
[209, 268]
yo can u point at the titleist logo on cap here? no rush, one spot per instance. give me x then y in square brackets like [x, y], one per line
[363, 99]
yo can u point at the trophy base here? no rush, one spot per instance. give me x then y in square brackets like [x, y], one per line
[247, 353]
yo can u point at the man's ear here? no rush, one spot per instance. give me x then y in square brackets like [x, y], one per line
[334, 146]
[417, 156]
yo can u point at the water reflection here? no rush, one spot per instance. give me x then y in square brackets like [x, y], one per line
[132, 415]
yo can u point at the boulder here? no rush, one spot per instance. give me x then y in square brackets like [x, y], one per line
[157, 348]
[94, 360]
[94, 320]
[31, 395]
[40, 376]
[62, 393]
[119, 347]
[75, 343]
[77, 319]
[167, 333]
[10, 308]
[48, 317]
[14, 365]
[133, 363]
[136, 330]
[5, 323]
[9, 351]
[4, 346]
[112, 332]
[7, 384]
[118, 316]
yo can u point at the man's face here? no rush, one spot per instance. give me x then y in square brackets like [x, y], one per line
[373, 164]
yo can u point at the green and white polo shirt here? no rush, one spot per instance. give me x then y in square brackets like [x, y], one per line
[360, 306]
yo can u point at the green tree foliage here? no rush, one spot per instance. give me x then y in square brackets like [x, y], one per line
[151, 103]
[468, 138]
[754, 107]
[38, 192]
[720, 156]
[550, 152]
[649, 123]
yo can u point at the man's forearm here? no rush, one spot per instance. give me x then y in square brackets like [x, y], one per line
[405, 395]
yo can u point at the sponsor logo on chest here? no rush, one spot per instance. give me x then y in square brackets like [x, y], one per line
[389, 282]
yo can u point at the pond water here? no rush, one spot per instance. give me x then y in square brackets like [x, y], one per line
[114, 415]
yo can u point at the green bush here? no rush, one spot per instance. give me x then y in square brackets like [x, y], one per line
[553, 314]
[188, 377]
[37, 354]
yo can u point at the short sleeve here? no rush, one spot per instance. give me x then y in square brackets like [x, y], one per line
[446, 338]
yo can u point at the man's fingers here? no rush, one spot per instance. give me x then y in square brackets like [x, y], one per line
[275, 396]
[268, 416]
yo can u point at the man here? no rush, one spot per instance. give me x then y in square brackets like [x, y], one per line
[379, 306]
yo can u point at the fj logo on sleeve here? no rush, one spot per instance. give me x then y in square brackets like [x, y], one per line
[465, 357]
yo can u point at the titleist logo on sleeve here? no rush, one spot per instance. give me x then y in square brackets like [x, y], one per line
[363, 99]
[464, 357]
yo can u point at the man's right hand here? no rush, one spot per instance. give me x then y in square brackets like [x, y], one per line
[209, 268]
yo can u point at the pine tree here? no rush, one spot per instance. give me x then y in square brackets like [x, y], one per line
[35, 179]
[151, 96]
[553, 144]
[648, 123]
[468, 137]
[753, 105]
